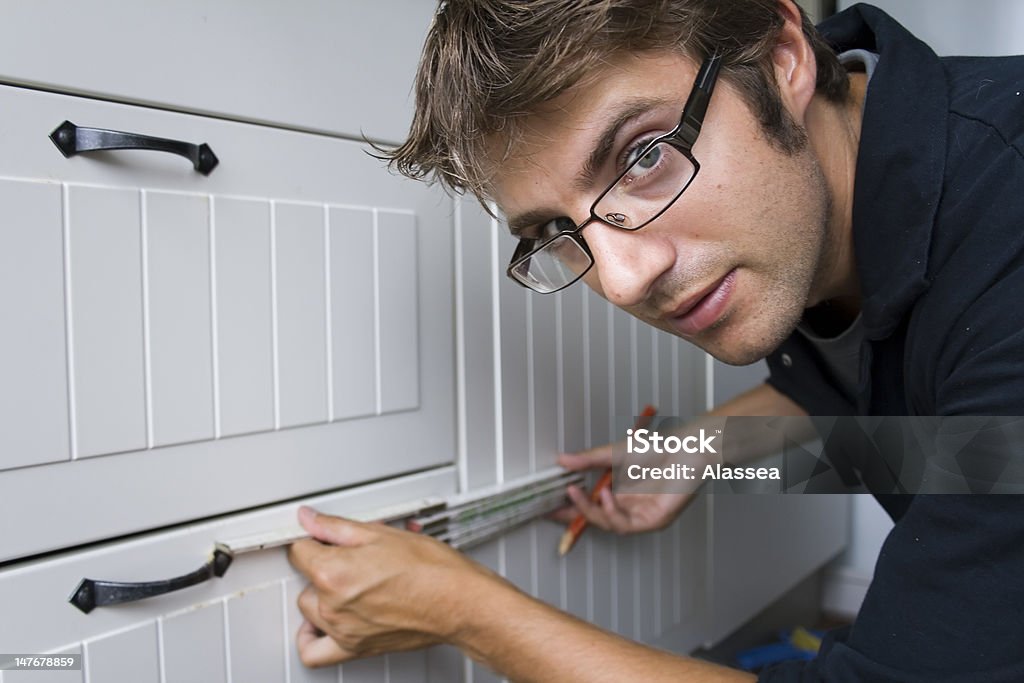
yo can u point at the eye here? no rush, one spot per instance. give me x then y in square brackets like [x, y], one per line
[632, 153]
[548, 230]
[639, 166]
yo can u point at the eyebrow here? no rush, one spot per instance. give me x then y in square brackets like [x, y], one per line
[603, 147]
[628, 111]
[522, 221]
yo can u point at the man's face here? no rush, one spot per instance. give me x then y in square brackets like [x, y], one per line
[732, 264]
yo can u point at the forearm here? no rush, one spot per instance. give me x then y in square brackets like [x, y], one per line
[753, 441]
[531, 642]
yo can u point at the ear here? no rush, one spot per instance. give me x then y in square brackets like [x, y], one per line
[796, 70]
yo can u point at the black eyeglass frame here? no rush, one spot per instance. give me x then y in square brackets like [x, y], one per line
[683, 137]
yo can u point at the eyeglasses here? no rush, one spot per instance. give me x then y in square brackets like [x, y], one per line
[654, 179]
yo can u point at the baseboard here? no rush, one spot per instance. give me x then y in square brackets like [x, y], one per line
[843, 592]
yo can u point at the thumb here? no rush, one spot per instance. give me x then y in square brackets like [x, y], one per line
[595, 457]
[334, 530]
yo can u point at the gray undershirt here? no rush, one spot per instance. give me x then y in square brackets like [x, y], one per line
[841, 353]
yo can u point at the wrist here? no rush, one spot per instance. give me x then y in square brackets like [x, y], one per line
[477, 598]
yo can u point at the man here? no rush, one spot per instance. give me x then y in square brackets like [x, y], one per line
[869, 241]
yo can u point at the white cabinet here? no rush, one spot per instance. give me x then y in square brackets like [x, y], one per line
[182, 352]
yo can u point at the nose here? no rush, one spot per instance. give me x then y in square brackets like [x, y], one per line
[626, 264]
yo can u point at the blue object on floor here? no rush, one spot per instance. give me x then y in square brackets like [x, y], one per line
[757, 657]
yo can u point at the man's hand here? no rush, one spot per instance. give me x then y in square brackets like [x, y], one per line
[375, 589]
[626, 513]
[623, 513]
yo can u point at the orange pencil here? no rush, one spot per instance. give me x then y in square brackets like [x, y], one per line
[576, 526]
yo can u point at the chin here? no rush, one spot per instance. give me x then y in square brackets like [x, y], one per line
[737, 342]
[732, 355]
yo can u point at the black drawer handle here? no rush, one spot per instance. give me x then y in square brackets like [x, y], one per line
[71, 140]
[91, 594]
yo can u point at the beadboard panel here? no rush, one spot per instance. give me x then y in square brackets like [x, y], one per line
[194, 645]
[243, 317]
[544, 369]
[260, 325]
[646, 559]
[573, 345]
[516, 357]
[354, 358]
[404, 667]
[398, 310]
[475, 234]
[800, 533]
[108, 396]
[300, 302]
[445, 664]
[178, 323]
[491, 555]
[567, 368]
[256, 621]
[129, 655]
[601, 548]
[34, 428]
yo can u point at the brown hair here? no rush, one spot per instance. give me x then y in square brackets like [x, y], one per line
[486, 64]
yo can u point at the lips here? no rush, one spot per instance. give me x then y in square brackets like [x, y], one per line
[704, 308]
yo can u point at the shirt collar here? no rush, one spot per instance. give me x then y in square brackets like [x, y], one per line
[900, 163]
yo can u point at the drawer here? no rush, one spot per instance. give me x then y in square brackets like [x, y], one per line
[341, 67]
[244, 622]
[180, 345]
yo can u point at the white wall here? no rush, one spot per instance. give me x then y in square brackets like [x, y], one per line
[847, 579]
[958, 27]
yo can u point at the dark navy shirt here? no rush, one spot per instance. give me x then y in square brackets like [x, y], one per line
[939, 245]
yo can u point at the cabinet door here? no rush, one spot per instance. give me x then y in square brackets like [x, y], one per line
[341, 67]
[238, 627]
[179, 345]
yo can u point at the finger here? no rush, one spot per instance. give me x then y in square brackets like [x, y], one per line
[309, 606]
[615, 515]
[563, 515]
[334, 530]
[591, 511]
[316, 649]
[311, 557]
[595, 457]
[308, 632]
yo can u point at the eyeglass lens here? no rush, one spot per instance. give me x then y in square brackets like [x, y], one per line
[560, 262]
[651, 184]
[648, 186]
